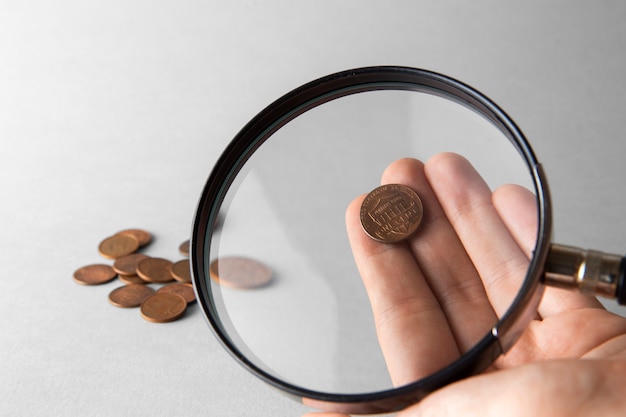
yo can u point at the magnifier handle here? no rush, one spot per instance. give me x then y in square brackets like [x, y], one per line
[588, 271]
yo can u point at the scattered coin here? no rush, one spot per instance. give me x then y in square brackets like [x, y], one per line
[163, 307]
[127, 264]
[180, 271]
[94, 274]
[131, 279]
[155, 270]
[142, 236]
[138, 271]
[118, 245]
[184, 248]
[391, 213]
[180, 288]
[240, 272]
[131, 295]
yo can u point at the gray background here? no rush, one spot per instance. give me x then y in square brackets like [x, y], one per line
[113, 113]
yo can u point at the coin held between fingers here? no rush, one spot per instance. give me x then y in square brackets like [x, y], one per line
[391, 213]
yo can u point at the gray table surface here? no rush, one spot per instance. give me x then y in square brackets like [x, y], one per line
[113, 113]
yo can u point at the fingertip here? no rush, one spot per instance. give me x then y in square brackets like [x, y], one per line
[445, 161]
[517, 207]
[455, 179]
[402, 171]
[353, 215]
[354, 208]
[516, 193]
[362, 245]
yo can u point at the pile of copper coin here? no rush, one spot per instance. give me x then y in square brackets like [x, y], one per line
[161, 288]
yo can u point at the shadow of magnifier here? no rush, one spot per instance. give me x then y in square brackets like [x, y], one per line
[299, 294]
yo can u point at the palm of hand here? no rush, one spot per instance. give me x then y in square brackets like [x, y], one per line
[457, 276]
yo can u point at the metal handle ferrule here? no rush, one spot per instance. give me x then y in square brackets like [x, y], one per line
[589, 271]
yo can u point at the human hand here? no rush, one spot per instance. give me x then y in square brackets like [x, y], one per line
[436, 295]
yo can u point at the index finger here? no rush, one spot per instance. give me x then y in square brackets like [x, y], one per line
[412, 329]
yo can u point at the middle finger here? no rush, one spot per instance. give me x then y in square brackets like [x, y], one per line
[443, 260]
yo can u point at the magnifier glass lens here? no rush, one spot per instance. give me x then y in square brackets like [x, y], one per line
[307, 301]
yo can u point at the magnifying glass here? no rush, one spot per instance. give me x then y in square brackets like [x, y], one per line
[283, 270]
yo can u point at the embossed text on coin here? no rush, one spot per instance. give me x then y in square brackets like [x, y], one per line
[391, 213]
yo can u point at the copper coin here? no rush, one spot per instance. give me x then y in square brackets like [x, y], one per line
[116, 246]
[240, 272]
[184, 248]
[131, 279]
[131, 295]
[180, 271]
[163, 307]
[186, 290]
[127, 264]
[391, 213]
[155, 270]
[94, 274]
[142, 236]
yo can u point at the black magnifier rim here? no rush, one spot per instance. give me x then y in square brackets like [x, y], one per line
[311, 95]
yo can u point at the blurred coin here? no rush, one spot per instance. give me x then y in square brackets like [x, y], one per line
[155, 270]
[163, 307]
[142, 236]
[391, 213]
[127, 264]
[131, 279]
[184, 248]
[185, 290]
[240, 272]
[118, 245]
[94, 274]
[131, 295]
[180, 271]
